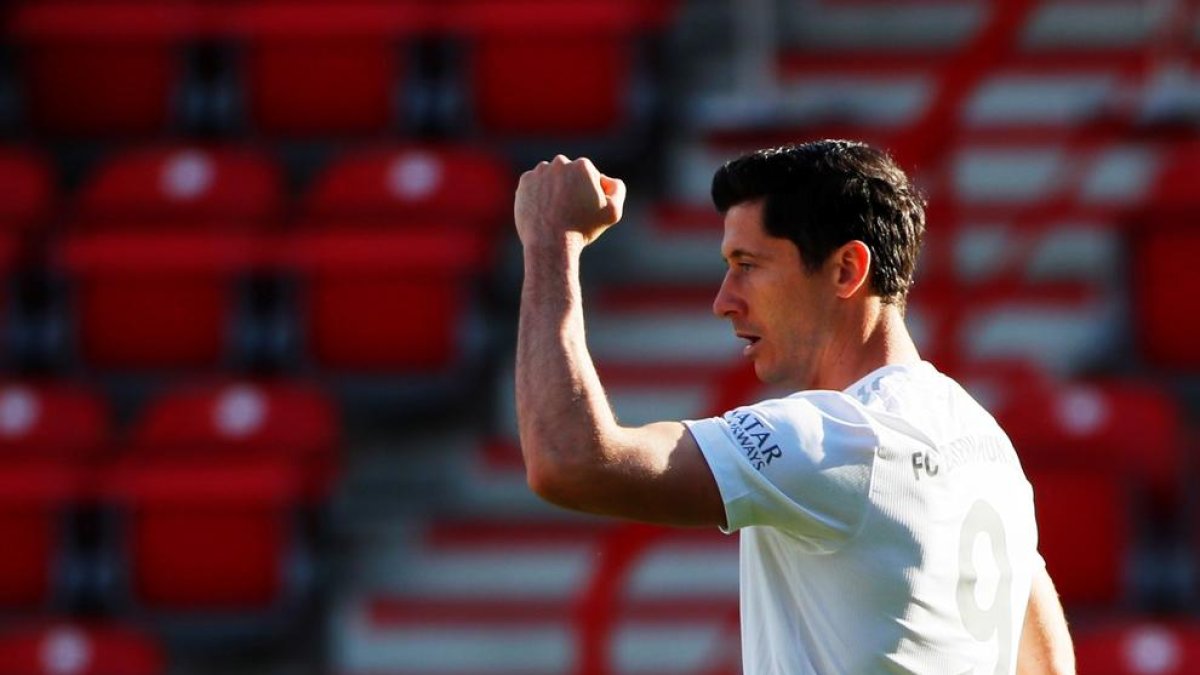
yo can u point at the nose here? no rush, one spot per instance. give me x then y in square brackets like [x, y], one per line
[727, 301]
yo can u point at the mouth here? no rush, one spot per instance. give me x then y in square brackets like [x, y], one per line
[751, 341]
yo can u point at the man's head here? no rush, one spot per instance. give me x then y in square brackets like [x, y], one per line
[823, 194]
[818, 238]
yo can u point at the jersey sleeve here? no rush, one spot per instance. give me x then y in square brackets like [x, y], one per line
[801, 464]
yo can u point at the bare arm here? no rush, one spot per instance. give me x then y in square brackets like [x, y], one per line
[1045, 642]
[576, 454]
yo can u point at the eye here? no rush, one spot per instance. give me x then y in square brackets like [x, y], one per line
[745, 266]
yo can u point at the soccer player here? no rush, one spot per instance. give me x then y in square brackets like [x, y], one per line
[886, 523]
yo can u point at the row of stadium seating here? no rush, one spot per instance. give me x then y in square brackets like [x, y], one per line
[209, 506]
[1128, 647]
[162, 248]
[529, 67]
[395, 225]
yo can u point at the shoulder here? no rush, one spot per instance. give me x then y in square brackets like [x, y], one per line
[825, 420]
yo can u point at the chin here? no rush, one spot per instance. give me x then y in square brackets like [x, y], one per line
[776, 378]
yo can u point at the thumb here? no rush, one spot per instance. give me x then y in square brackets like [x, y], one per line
[614, 194]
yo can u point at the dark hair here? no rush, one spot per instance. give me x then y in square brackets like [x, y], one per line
[823, 194]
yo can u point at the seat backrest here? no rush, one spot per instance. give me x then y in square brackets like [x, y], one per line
[447, 185]
[1138, 646]
[239, 418]
[73, 648]
[182, 186]
[45, 420]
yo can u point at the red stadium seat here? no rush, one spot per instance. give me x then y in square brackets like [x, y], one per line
[1085, 534]
[1127, 428]
[413, 185]
[1162, 294]
[205, 535]
[49, 436]
[155, 300]
[79, 648]
[1138, 646]
[102, 68]
[551, 67]
[182, 187]
[235, 421]
[395, 300]
[157, 242]
[325, 67]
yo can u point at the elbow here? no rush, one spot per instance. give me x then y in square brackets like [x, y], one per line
[554, 481]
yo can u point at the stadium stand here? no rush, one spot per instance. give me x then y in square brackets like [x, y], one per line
[252, 200]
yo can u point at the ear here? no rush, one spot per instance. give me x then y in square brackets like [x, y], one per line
[851, 268]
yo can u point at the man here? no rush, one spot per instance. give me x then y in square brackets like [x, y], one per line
[886, 524]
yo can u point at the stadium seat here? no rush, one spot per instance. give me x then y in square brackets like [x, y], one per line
[71, 647]
[1136, 645]
[392, 300]
[204, 536]
[111, 68]
[155, 247]
[177, 187]
[1085, 534]
[50, 438]
[397, 227]
[326, 67]
[1162, 292]
[546, 67]
[1131, 429]
[233, 421]
[156, 300]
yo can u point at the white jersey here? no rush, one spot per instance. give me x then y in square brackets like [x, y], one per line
[887, 528]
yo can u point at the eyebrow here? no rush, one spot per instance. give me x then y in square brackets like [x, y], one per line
[740, 254]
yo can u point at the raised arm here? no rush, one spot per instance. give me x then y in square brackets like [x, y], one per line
[1045, 647]
[576, 454]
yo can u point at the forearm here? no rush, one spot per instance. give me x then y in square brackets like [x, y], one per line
[562, 411]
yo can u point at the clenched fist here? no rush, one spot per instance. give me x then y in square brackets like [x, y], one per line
[563, 197]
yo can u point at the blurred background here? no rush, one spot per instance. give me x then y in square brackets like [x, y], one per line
[260, 287]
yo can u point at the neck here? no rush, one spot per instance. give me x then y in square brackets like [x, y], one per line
[879, 338]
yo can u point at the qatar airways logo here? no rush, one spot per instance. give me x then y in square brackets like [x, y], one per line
[754, 438]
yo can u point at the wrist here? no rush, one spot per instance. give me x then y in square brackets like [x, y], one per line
[568, 243]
